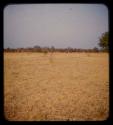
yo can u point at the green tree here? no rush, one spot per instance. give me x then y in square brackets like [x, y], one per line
[104, 41]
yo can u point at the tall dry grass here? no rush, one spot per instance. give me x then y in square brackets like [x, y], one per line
[72, 86]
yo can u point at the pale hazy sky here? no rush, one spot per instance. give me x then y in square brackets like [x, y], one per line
[58, 25]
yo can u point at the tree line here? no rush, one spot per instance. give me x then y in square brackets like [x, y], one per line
[103, 43]
[51, 49]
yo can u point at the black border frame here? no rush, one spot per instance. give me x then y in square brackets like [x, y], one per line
[3, 4]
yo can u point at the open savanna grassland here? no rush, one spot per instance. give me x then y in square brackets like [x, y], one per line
[58, 86]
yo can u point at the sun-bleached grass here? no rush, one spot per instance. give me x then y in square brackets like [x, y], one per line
[61, 86]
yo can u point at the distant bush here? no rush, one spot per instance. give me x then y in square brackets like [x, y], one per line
[52, 49]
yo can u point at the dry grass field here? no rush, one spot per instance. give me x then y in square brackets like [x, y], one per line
[56, 87]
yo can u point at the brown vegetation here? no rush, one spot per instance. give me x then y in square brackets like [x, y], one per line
[57, 86]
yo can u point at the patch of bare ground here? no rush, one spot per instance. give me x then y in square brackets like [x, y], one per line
[55, 87]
